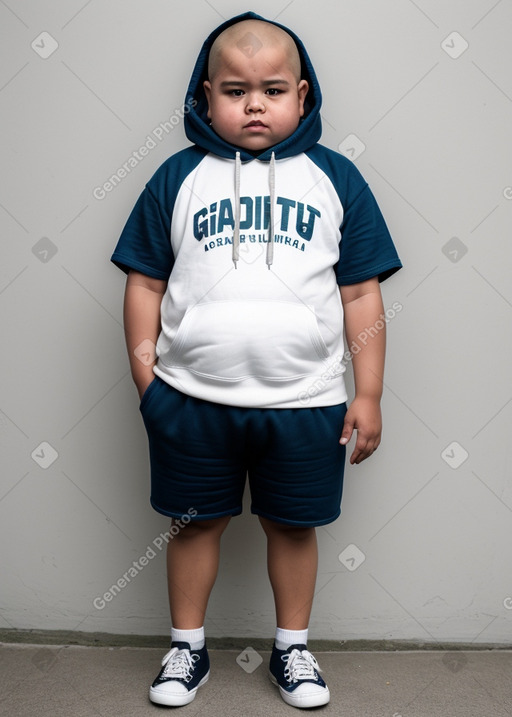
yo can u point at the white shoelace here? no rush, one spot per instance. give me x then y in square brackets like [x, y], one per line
[300, 665]
[179, 664]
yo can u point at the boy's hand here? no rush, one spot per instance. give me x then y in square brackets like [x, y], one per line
[364, 415]
[363, 308]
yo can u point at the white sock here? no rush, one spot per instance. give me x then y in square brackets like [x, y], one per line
[195, 638]
[285, 638]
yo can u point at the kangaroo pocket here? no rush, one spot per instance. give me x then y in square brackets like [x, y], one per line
[231, 341]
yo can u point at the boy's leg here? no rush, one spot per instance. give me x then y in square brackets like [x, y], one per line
[296, 476]
[192, 565]
[292, 566]
[292, 557]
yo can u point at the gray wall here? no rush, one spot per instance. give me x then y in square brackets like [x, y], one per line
[430, 513]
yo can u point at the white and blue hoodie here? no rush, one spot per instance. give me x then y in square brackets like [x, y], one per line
[254, 248]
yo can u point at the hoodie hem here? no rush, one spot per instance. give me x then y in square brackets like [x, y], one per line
[308, 392]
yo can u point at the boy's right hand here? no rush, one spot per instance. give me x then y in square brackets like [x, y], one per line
[364, 416]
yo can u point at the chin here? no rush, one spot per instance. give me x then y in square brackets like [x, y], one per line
[257, 146]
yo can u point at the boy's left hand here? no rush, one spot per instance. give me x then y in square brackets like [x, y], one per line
[364, 415]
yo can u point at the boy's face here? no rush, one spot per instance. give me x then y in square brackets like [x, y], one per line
[255, 102]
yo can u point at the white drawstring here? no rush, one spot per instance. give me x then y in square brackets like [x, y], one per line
[235, 254]
[236, 230]
[272, 187]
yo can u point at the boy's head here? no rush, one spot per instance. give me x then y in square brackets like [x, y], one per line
[254, 90]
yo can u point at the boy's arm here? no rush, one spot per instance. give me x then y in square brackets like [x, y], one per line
[363, 308]
[142, 299]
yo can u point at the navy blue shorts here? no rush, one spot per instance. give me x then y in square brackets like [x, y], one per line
[202, 452]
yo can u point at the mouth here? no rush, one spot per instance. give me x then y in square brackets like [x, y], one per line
[255, 124]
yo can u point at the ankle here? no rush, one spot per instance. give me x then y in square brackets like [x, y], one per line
[285, 638]
[194, 637]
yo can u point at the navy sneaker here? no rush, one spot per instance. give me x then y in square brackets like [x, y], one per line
[296, 672]
[182, 674]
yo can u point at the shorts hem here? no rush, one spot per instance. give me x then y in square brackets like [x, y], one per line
[299, 523]
[208, 516]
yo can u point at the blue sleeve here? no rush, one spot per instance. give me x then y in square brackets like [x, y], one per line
[145, 244]
[366, 247]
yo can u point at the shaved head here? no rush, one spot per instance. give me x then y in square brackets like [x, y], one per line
[249, 36]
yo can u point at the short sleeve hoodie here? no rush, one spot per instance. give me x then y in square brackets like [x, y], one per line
[253, 249]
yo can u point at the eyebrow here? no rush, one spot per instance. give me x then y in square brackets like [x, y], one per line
[267, 83]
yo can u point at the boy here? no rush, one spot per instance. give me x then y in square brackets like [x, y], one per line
[244, 253]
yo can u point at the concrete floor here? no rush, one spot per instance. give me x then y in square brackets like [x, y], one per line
[76, 681]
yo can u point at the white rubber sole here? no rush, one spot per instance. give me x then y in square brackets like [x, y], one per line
[160, 697]
[302, 701]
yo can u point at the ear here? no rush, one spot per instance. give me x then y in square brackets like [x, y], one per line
[302, 89]
[208, 92]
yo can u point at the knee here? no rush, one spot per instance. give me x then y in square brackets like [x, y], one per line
[287, 532]
[195, 528]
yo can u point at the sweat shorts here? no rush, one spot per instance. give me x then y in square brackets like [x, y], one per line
[201, 454]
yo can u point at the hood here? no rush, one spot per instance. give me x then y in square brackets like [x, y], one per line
[197, 126]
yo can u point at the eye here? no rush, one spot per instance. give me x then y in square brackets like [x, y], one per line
[236, 93]
[274, 91]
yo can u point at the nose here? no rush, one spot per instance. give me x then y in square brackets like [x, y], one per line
[254, 103]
